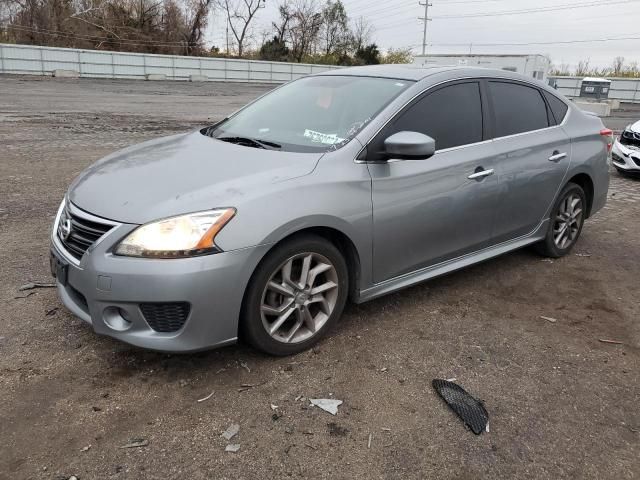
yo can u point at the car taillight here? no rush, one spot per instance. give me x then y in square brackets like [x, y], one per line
[608, 134]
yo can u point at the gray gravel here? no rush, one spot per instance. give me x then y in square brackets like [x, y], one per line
[562, 404]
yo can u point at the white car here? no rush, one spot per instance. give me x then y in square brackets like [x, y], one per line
[626, 150]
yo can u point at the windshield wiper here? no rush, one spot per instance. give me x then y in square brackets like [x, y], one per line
[252, 142]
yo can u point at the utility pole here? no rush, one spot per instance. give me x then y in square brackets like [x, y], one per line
[425, 19]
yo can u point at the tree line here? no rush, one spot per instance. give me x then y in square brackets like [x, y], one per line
[618, 68]
[304, 31]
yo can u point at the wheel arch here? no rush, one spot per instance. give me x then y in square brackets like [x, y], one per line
[585, 181]
[340, 240]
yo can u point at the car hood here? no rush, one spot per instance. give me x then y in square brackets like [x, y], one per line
[181, 174]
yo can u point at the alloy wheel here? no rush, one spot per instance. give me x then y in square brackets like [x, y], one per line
[568, 221]
[299, 297]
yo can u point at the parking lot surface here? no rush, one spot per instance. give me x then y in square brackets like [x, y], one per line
[562, 403]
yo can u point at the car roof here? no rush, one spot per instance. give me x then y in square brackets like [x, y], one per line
[417, 73]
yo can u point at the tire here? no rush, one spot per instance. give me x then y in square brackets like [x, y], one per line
[556, 245]
[276, 302]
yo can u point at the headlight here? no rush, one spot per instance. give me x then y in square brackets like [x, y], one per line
[183, 236]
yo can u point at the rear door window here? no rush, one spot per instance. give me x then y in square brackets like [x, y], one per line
[558, 107]
[517, 108]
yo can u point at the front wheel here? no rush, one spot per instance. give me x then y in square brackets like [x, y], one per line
[565, 225]
[295, 296]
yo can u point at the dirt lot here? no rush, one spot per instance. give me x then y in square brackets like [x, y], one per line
[562, 403]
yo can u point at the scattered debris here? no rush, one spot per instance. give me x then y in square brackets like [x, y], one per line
[548, 319]
[383, 370]
[73, 477]
[276, 413]
[205, 398]
[369, 442]
[34, 285]
[232, 447]
[288, 429]
[327, 404]
[85, 449]
[310, 446]
[614, 342]
[51, 312]
[546, 260]
[136, 443]
[453, 379]
[245, 366]
[586, 255]
[231, 432]
[248, 386]
[286, 450]
[468, 408]
[96, 409]
[385, 429]
[28, 294]
[220, 370]
[336, 430]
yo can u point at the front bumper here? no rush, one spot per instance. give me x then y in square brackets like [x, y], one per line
[102, 284]
[624, 158]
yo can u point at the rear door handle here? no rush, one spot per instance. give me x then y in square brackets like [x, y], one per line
[479, 174]
[557, 156]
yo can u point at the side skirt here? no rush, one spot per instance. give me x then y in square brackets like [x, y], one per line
[448, 266]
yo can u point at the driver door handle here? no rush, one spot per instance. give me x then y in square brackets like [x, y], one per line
[557, 156]
[480, 174]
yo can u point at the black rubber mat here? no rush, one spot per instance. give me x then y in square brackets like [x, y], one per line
[468, 408]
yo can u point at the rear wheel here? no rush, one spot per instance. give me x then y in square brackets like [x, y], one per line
[567, 219]
[295, 296]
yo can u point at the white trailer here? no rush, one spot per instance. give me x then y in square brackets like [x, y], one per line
[536, 66]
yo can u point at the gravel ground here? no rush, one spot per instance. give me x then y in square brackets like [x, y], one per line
[562, 403]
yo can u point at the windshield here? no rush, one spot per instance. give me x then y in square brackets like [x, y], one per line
[313, 114]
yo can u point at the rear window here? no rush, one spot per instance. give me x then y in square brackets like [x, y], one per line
[558, 107]
[517, 108]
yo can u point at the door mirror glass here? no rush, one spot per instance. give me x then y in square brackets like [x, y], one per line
[409, 146]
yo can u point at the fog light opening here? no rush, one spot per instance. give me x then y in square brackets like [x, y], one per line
[116, 319]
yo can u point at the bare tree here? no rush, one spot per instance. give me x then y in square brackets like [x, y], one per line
[286, 16]
[361, 34]
[198, 19]
[335, 27]
[240, 13]
[617, 67]
[303, 33]
[583, 68]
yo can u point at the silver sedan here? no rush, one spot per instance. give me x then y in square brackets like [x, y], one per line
[345, 185]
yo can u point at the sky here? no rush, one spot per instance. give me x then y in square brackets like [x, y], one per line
[461, 26]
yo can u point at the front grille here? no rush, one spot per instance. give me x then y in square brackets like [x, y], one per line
[78, 233]
[165, 317]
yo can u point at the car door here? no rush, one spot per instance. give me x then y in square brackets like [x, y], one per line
[429, 211]
[532, 157]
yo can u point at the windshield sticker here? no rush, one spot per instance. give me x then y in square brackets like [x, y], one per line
[319, 137]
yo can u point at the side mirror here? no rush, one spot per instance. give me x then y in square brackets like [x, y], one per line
[409, 146]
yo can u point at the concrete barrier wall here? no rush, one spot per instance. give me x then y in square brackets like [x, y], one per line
[34, 60]
[623, 89]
